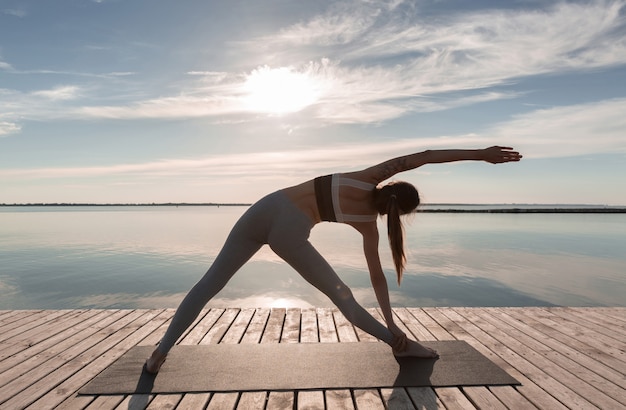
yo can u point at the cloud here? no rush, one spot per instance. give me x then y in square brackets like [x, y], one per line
[375, 61]
[44, 104]
[584, 129]
[8, 128]
[15, 12]
[58, 93]
[575, 130]
[5, 66]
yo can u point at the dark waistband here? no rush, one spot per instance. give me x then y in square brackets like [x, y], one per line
[323, 196]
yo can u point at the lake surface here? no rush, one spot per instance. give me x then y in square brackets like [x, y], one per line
[150, 256]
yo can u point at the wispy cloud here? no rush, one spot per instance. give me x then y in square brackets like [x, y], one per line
[381, 63]
[5, 66]
[583, 129]
[375, 61]
[15, 12]
[44, 104]
[8, 128]
[460, 51]
[60, 93]
[548, 133]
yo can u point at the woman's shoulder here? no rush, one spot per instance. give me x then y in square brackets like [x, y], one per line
[360, 176]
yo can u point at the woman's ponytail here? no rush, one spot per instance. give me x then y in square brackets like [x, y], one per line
[396, 199]
[395, 233]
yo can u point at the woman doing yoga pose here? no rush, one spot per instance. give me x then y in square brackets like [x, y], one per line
[284, 219]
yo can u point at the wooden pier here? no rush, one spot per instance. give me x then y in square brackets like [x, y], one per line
[565, 358]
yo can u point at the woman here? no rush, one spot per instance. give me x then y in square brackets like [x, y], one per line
[284, 220]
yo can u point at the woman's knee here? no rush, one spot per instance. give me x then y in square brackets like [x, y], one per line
[342, 297]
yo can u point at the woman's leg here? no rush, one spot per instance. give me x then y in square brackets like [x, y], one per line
[313, 267]
[235, 253]
[244, 240]
[232, 256]
[307, 261]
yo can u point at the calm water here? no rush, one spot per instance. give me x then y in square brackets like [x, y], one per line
[149, 257]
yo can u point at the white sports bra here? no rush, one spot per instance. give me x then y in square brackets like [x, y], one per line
[339, 181]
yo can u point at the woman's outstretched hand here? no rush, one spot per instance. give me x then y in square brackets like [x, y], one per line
[499, 155]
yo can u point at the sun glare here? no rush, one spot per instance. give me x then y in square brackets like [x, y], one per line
[279, 90]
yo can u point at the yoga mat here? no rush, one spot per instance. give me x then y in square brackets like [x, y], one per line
[289, 366]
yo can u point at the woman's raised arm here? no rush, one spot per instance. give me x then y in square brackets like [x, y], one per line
[387, 169]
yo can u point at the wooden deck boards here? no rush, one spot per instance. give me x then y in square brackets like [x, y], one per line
[564, 357]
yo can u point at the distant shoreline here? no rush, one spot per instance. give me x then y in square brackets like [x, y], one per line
[129, 204]
[529, 211]
[428, 208]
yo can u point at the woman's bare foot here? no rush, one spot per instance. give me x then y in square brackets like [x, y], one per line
[154, 363]
[414, 349]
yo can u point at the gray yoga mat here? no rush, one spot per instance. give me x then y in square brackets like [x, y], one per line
[288, 366]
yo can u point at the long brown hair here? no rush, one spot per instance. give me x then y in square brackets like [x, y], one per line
[394, 200]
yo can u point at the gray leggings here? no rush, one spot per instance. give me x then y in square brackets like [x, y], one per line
[276, 221]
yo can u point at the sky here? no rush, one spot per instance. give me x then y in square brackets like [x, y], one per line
[141, 101]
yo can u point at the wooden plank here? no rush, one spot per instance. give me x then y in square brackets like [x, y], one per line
[572, 337]
[291, 327]
[482, 398]
[194, 401]
[223, 401]
[561, 348]
[155, 337]
[416, 329]
[308, 326]
[28, 323]
[326, 326]
[594, 388]
[453, 398]
[5, 314]
[239, 326]
[280, 400]
[36, 334]
[563, 340]
[100, 402]
[345, 329]
[87, 365]
[20, 318]
[602, 317]
[603, 327]
[220, 327]
[589, 336]
[274, 327]
[310, 400]
[200, 327]
[425, 398]
[511, 398]
[397, 398]
[41, 363]
[252, 400]
[501, 356]
[617, 313]
[542, 375]
[164, 401]
[43, 344]
[80, 403]
[135, 402]
[431, 325]
[339, 400]
[254, 332]
[368, 399]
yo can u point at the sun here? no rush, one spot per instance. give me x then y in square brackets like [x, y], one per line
[279, 90]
